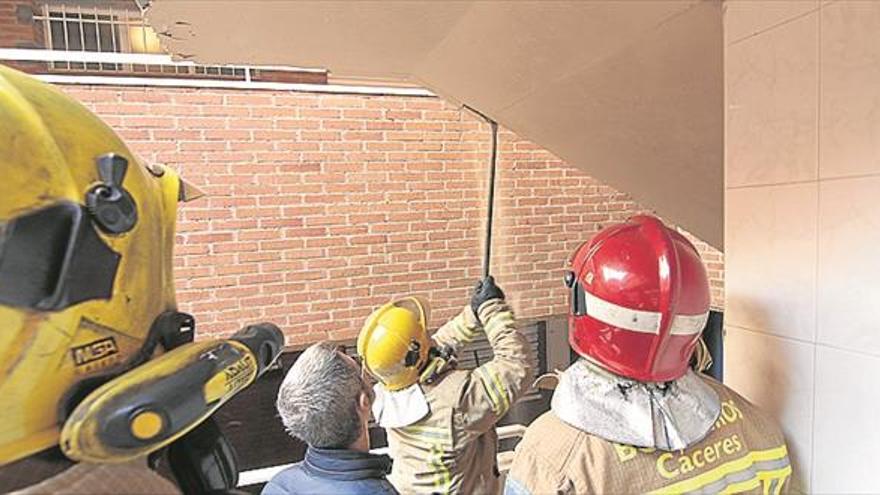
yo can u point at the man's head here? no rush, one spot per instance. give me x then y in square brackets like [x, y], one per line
[639, 300]
[324, 400]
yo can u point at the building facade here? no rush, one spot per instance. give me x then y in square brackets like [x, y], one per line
[322, 205]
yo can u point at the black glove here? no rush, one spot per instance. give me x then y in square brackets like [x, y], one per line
[485, 290]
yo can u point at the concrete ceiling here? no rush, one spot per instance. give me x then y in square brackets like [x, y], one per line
[629, 91]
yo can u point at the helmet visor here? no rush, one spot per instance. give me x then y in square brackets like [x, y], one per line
[53, 258]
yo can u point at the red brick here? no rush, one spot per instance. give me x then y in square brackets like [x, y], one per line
[320, 113]
[384, 125]
[312, 196]
[344, 124]
[197, 97]
[247, 98]
[235, 123]
[341, 101]
[284, 123]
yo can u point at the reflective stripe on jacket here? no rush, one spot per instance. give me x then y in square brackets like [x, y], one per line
[743, 452]
[454, 448]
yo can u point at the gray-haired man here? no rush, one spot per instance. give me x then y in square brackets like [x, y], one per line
[325, 402]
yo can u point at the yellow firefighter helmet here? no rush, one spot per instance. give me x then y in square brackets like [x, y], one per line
[86, 238]
[394, 343]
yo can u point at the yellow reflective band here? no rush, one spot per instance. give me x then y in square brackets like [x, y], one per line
[432, 439]
[431, 431]
[765, 477]
[496, 390]
[777, 474]
[415, 441]
[500, 320]
[505, 316]
[419, 427]
[770, 454]
[782, 482]
[467, 333]
[489, 387]
[502, 390]
[741, 464]
[426, 436]
[742, 486]
[442, 478]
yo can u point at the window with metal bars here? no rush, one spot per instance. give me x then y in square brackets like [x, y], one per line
[111, 26]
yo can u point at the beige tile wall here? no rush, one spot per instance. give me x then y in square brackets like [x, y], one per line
[802, 221]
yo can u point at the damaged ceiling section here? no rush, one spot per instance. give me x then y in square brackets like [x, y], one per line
[630, 92]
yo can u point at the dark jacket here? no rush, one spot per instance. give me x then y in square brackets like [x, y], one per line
[334, 471]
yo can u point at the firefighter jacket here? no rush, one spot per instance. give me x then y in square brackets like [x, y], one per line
[743, 451]
[453, 448]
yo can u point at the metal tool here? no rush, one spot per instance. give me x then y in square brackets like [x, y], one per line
[159, 402]
[490, 198]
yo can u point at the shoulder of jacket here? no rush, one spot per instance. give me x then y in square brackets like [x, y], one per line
[385, 486]
[742, 406]
[274, 487]
[379, 486]
[543, 455]
[292, 474]
[552, 441]
[448, 390]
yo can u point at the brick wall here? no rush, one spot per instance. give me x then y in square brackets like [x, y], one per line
[321, 207]
[17, 27]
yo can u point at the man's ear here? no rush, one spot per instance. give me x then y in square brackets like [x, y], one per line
[365, 401]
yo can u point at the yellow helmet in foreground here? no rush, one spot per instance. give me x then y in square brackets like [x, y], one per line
[86, 237]
[394, 343]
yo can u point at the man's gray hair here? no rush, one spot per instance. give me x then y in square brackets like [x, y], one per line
[318, 400]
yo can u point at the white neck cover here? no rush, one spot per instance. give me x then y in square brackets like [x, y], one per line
[400, 408]
[666, 416]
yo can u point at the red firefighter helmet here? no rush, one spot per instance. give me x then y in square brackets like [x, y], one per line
[639, 300]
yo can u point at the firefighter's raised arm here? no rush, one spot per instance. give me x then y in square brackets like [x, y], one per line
[459, 331]
[495, 386]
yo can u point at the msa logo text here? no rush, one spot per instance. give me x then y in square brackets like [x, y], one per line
[94, 351]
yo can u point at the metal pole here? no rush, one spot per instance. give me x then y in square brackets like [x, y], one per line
[490, 207]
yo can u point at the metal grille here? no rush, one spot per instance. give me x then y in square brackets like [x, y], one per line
[112, 27]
